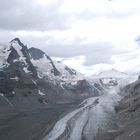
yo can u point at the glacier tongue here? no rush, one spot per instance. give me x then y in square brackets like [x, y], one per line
[85, 121]
[94, 114]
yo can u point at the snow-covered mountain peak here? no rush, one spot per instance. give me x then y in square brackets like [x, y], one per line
[16, 53]
[37, 60]
[111, 73]
[17, 42]
[36, 53]
[53, 70]
[10, 52]
[20, 48]
[111, 78]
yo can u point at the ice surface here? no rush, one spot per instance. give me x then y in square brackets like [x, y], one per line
[95, 113]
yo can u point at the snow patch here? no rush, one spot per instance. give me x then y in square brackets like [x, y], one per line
[45, 68]
[4, 54]
[26, 70]
[13, 92]
[14, 78]
[41, 93]
[34, 82]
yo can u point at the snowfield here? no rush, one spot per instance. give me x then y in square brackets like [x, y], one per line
[4, 54]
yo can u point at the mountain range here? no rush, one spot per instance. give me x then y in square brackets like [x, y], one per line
[36, 91]
[34, 87]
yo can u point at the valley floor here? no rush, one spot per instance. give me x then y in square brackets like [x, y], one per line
[23, 124]
[94, 116]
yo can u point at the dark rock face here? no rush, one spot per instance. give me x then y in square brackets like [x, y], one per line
[6, 84]
[128, 113]
[54, 70]
[71, 71]
[83, 86]
[36, 53]
[14, 81]
[14, 55]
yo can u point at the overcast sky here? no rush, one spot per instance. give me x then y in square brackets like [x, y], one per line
[88, 35]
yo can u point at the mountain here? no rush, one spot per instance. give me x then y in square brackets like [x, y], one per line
[33, 68]
[35, 90]
[95, 117]
[53, 70]
[127, 119]
[107, 80]
[128, 112]
[111, 73]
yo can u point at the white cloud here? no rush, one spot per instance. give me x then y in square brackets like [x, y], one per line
[128, 63]
[77, 63]
[101, 7]
[100, 31]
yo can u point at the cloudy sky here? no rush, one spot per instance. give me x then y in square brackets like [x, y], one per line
[88, 35]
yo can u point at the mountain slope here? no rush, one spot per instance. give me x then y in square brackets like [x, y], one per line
[95, 115]
[53, 70]
[33, 68]
[32, 95]
[109, 79]
[128, 113]
[35, 91]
